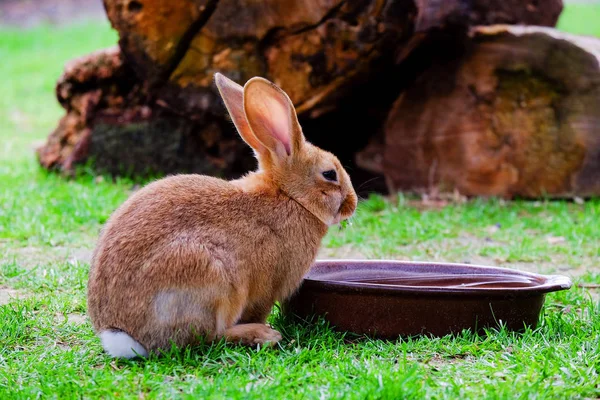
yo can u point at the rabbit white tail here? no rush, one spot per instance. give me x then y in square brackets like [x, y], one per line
[121, 345]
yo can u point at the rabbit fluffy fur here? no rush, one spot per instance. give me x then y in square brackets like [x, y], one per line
[193, 256]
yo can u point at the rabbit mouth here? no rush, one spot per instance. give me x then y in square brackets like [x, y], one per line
[337, 219]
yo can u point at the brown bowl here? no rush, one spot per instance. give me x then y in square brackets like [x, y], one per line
[388, 299]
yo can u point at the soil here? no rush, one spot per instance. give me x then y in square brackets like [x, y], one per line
[8, 295]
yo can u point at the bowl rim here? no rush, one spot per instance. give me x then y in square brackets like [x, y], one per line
[551, 283]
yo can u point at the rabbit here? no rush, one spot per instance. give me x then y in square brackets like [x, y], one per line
[191, 256]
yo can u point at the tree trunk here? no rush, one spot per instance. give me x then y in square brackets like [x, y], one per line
[157, 110]
[517, 114]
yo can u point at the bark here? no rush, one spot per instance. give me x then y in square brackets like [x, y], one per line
[110, 119]
[312, 49]
[517, 114]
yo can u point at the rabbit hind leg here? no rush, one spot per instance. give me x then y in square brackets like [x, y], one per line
[182, 316]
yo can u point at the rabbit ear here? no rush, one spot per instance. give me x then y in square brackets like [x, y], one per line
[233, 96]
[272, 117]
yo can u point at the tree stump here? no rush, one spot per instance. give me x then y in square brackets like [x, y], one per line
[154, 107]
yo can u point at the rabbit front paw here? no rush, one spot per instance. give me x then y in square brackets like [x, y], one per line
[252, 335]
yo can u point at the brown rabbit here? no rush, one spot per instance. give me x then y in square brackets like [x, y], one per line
[192, 255]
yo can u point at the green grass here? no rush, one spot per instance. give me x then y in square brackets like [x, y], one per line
[549, 233]
[581, 18]
[48, 226]
[32, 61]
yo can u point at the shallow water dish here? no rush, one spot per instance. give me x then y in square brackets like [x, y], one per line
[388, 299]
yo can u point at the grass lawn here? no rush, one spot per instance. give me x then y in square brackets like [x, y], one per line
[581, 18]
[48, 226]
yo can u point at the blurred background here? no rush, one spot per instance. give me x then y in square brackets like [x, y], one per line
[366, 80]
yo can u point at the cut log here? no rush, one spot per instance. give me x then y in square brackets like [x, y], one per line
[312, 49]
[517, 114]
[157, 111]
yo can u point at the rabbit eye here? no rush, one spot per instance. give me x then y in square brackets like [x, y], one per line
[330, 175]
